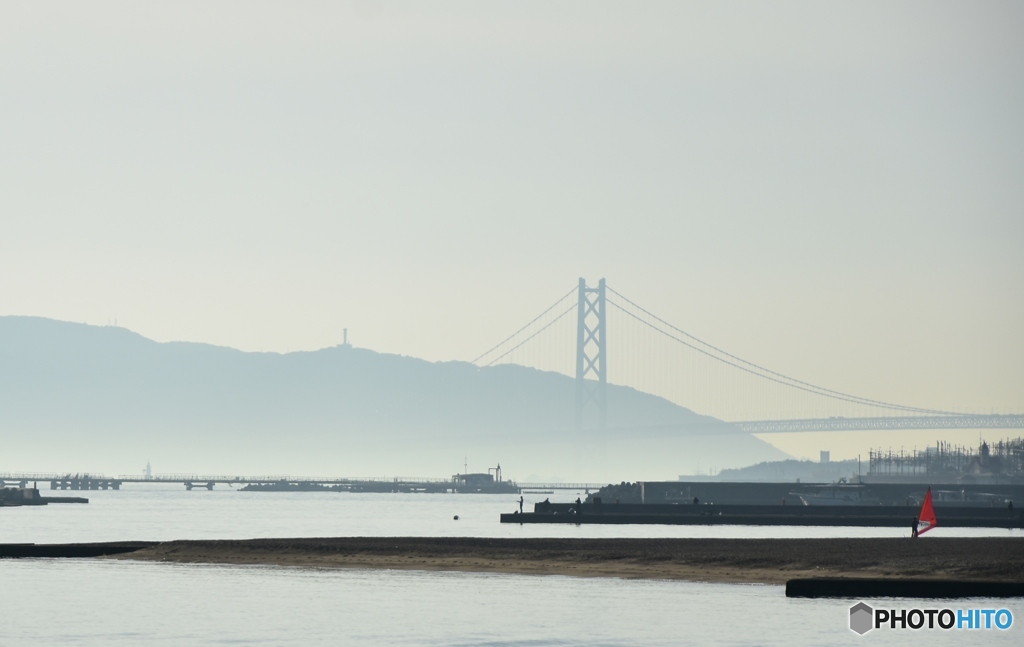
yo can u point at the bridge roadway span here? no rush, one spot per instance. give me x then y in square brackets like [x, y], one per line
[711, 426]
[890, 423]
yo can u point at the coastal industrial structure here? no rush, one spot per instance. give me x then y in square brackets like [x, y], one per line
[1001, 461]
[998, 462]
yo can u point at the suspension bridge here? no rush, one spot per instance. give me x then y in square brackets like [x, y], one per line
[696, 374]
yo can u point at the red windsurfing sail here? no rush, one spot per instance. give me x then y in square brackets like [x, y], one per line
[926, 521]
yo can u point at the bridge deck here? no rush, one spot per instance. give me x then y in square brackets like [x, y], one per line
[888, 423]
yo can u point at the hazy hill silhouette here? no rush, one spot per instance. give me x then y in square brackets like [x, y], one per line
[77, 397]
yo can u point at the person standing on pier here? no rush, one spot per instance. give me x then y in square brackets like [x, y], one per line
[520, 504]
[579, 506]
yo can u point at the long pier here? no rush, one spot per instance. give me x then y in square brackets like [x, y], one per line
[89, 481]
[78, 481]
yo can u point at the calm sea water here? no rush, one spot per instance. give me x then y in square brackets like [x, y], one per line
[101, 602]
[162, 512]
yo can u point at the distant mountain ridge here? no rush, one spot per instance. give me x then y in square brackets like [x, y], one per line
[76, 396]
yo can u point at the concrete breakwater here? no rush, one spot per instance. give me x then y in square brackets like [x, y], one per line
[100, 549]
[10, 497]
[796, 493]
[762, 515]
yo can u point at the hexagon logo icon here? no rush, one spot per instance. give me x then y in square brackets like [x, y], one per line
[861, 616]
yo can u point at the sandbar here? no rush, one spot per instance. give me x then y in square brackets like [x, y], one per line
[767, 561]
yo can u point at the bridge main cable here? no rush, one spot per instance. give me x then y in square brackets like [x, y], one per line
[778, 378]
[545, 327]
[532, 321]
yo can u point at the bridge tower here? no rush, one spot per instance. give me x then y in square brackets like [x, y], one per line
[591, 358]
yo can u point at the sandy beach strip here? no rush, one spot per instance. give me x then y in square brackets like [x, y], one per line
[769, 561]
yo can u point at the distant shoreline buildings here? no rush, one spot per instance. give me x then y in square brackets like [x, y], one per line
[1001, 462]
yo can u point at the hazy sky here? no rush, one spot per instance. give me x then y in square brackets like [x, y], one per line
[834, 190]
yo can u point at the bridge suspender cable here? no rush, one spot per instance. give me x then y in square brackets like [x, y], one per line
[546, 326]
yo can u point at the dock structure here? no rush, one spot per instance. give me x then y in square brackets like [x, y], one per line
[85, 482]
[463, 483]
[68, 481]
[486, 483]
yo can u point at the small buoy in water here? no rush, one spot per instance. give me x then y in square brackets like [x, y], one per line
[456, 517]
